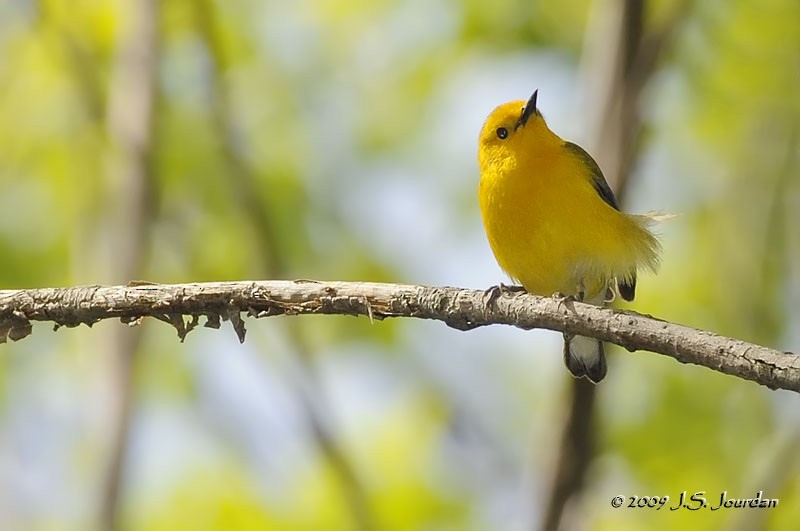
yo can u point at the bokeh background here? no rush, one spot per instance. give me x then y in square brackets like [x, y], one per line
[196, 140]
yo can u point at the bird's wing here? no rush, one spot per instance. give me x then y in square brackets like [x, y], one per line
[625, 286]
[598, 181]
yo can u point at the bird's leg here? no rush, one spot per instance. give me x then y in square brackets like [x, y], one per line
[566, 301]
[581, 292]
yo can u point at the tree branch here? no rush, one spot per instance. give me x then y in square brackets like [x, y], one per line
[462, 309]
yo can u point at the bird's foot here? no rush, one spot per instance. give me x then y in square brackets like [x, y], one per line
[567, 300]
[491, 295]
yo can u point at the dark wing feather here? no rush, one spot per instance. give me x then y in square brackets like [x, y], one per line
[626, 287]
[598, 181]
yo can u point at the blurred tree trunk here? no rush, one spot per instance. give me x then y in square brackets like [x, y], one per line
[619, 59]
[246, 193]
[130, 139]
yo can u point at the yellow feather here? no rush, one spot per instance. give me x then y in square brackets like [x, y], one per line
[547, 224]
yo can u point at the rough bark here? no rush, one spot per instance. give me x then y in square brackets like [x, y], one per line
[463, 309]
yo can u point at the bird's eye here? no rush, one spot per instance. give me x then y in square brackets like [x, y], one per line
[502, 133]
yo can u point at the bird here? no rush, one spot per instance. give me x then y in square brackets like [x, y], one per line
[554, 224]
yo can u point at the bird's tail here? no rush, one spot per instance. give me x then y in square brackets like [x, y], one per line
[585, 356]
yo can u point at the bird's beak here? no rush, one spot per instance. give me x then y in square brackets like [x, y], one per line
[528, 111]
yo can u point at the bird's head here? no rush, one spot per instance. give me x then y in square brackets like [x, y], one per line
[512, 128]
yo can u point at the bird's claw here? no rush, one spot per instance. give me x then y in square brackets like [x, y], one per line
[493, 293]
[567, 300]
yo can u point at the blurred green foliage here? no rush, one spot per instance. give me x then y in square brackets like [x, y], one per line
[321, 105]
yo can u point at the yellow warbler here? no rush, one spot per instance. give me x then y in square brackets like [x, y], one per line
[554, 224]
